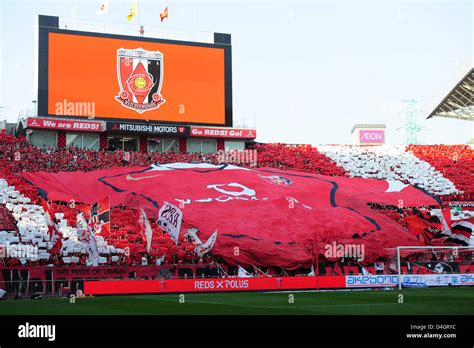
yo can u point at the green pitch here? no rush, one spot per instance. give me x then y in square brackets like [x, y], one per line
[415, 301]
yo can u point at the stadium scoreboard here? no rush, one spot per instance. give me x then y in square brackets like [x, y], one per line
[115, 77]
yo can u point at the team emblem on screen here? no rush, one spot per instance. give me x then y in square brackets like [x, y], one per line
[276, 180]
[140, 77]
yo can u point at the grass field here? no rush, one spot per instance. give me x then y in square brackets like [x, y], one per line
[443, 301]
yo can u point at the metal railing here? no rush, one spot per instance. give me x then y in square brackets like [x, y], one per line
[150, 31]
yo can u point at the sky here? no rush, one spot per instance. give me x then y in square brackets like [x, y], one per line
[303, 71]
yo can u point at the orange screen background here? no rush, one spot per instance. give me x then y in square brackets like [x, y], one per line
[84, 69]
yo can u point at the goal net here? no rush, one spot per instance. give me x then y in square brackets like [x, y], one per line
[423, 266]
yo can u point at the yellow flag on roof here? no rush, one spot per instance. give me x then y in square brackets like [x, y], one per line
[133, 11]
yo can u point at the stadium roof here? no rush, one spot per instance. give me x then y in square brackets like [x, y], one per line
[457, 100]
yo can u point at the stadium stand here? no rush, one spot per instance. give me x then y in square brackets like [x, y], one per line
[302, 158]
[31, 231]
[455, 162]
[389, 162]
[443, 170]
[20, 156]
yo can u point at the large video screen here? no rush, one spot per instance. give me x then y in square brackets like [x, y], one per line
[132, 78]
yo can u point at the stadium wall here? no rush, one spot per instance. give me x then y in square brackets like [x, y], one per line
[117, 287]
[211, 285]
[55, 281]
[135, 136]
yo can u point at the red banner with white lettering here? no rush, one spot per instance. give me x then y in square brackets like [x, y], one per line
[211, 285]
[68, 125]
[230, 133]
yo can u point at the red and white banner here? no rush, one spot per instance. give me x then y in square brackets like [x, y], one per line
[230, 133]
[169, 220]
[409, 280]
[71, 125]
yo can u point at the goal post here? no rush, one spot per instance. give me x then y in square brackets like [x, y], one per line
[429, 261]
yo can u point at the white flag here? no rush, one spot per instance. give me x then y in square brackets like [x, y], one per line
[364, 271]
[87, 236]
[379, 266]
[146, 228]
[160, 260]
[243, 273]
[201, 249]
[192, 232]
[169, 220]
[211, 241]
[103, 8]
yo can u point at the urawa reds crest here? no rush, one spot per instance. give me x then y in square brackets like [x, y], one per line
[140, 76]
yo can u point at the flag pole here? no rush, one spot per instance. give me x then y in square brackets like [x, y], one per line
[77, 14]
[317, 263]
[166, 29]
[110, 213]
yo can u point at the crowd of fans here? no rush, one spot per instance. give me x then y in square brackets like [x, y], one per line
[445, 170]
[455, 162]
[391, 163]
[23, 225]
[17, 155]
[301, 158]
[429, 167]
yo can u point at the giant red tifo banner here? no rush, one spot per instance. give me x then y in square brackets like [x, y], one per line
[271, 217]
[98, 214]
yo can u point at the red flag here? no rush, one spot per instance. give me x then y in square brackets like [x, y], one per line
[98, 215]
[416, 227]
[57, 244]
[447, 224]
[54, 234]
[49, 216]
[164, 14]
[462, 231]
